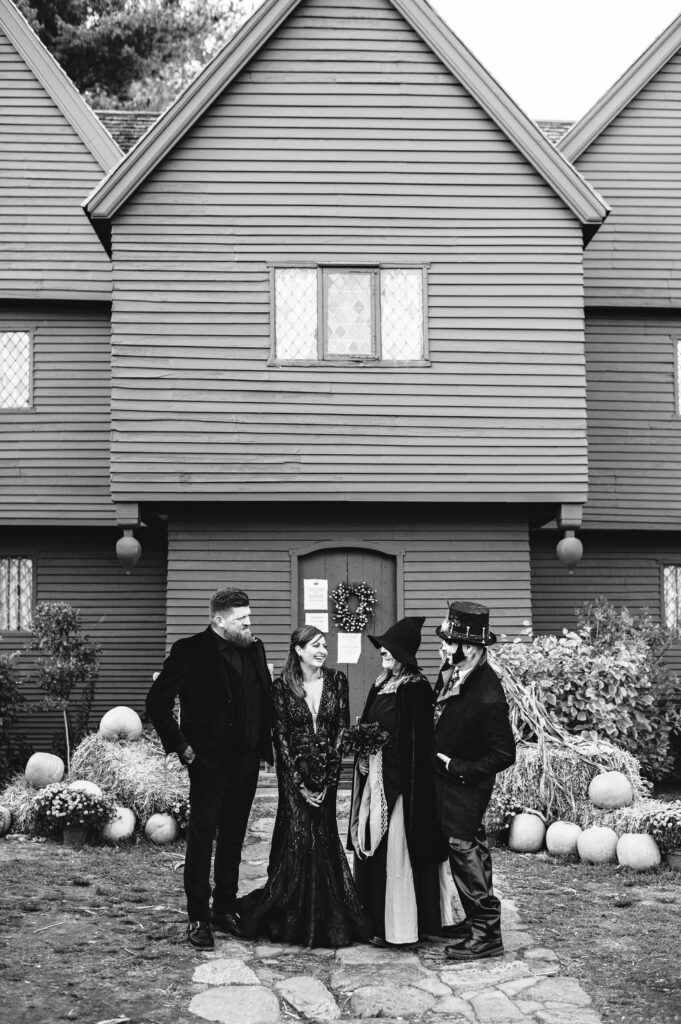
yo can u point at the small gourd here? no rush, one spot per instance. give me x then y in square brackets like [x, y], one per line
[597, 845]
[121, 723]
[85, 786]
[42, 769]
[161, 828]
[121, 826]
[527, 833]
[610, 790]
[638, 851]
[561, 838]
[5, 820]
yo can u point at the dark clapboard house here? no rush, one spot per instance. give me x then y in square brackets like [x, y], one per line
[340, 338]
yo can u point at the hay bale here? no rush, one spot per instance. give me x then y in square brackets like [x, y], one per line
[18, 796]
[136, 773]
[553, 777]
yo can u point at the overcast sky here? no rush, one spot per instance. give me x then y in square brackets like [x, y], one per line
[557, 58]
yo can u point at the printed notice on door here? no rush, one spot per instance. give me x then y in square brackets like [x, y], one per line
[318, 619]
[316, 595]
[349, 648]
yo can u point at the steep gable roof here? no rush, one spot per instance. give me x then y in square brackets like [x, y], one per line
[59, 86]
[111, 194]
[620, 95]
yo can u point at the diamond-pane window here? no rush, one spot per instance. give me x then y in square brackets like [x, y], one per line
[16, 593]
[401, 313]
[672, 596]
[348, 313]
[295, 298]
[15, 369]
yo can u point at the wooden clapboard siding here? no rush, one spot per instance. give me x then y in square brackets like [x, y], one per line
[479, 553]
[625, 568]
[54, 457]
[49, 251]
[346, 139]
[633, 427]
[124, 613]
[633, 260]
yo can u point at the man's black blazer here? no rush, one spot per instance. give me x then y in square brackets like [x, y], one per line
[474, 731]
[195, 672]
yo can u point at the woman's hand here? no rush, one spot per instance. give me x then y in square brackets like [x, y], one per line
[443, 757]
[314, 799]
[363, 764]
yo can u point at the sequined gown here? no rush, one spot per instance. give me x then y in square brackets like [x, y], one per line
[310, 897]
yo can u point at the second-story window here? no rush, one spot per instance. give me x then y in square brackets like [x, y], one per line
[356, 314]
[671, 587]
[15, 370]
[16, 593]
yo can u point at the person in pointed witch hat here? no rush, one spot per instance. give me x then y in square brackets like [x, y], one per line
[472, 741]
[394, 830]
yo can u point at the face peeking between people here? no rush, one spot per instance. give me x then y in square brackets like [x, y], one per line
[234, 625]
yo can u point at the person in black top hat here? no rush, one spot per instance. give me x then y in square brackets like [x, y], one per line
[394, 830]
[222, 680]
[472, 741]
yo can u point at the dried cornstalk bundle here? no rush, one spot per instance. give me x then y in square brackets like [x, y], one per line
[136, 774]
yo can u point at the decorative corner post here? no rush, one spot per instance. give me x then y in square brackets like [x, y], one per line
[570, 549]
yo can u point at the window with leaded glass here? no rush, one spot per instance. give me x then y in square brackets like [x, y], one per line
[16, 593]
[15, 370]
[352, 314]
[671, 587]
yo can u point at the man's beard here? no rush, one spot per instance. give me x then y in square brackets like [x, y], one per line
[235, 635]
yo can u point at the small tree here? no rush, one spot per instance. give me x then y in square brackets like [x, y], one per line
[68, 663]
[12, 703]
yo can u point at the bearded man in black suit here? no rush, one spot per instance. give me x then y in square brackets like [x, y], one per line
[472, 741]
[222, 680]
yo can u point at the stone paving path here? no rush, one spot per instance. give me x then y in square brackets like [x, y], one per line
[262, 983]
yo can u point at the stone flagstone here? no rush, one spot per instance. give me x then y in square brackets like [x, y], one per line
[310, 997]
[390, 1001]
[225, 972]
[561, 990]
[493, 1007]
[229, 1004]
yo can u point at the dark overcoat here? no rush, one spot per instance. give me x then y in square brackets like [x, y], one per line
[425, 840]
[195, 672]
[473, 729]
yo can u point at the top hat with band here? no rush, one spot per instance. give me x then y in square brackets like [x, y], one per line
[467, 622]
[402, 640]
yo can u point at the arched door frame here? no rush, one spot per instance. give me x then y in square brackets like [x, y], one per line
[361, 545]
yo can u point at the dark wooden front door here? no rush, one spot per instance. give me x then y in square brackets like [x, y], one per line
[352, 565]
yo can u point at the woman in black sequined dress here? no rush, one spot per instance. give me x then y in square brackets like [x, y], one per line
[309, 898]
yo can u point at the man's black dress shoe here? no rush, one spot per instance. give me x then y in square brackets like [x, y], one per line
[462, 930]
[472, 949]
[200, 935]
[227, 923]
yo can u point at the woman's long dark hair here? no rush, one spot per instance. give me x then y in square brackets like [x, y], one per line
[292, 673]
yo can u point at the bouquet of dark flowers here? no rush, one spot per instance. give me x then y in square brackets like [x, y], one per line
[364, 738]
[58, 805]
[316, 764]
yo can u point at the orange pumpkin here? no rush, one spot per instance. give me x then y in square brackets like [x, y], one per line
[561, 838]
[5, 820]
[121, 826]
[121, 723]
[161, 828]
[597, 845]
[527, 833]
[609, 790]
[638, 851]
[42, 769]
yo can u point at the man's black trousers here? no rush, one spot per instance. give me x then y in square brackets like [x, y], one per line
[220, 802]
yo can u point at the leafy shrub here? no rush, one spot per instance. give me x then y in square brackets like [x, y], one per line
[68, 662]
[606, 679]
[14, 750]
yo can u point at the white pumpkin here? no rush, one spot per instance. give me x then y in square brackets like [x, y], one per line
[42, 769]
[561, 838]
[161, 828]
[610, 790]
[85, 786]
[638, 851]
[121, 723]
[527, 833]
[121, 826]
[597, 845]
[5, 820]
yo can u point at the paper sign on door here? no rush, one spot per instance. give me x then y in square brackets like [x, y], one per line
[318, 619]
[316, 595]
[349, 648]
